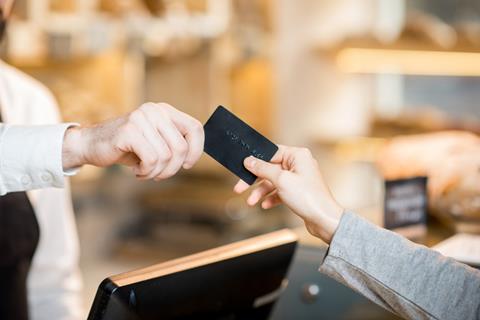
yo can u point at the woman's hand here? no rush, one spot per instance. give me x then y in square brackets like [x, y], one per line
[156, 140]
[293, 178]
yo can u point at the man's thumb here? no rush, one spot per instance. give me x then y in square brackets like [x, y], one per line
[262, 169]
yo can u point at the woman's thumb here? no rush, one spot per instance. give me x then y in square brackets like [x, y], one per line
[262, 169]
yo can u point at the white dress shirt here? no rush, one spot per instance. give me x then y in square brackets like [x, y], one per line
[30, 158]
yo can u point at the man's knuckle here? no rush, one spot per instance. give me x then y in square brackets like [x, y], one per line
[164, 106]
[196, 125]
[165, 156]
[151, 160]
[166, 175]
[135, 116]
[128, 128]
[182, 148]
[147, 106]
[153, 109]
[189, 163]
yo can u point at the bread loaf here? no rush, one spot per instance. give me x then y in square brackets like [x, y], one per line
[450, 160]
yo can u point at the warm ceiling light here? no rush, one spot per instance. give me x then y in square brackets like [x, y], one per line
[410, 62]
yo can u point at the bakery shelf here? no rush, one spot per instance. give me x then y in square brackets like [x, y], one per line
[406, 56]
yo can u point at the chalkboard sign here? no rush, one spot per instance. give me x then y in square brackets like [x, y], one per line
[406, 202]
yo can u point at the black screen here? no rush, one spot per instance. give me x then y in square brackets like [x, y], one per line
[221, 290]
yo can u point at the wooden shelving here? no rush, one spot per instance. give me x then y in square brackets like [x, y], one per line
[408, 56]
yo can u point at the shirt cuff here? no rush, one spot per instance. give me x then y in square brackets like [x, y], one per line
[31, 157]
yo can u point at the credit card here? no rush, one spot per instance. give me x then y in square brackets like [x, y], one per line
[229, 140]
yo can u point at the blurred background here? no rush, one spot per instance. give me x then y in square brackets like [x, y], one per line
[337, 76]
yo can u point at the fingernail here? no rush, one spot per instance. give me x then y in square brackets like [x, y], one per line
[250, 162]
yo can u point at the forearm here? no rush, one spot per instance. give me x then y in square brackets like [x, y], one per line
[410, 280]
[31, 157]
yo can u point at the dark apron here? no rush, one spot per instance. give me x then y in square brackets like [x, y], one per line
[19, 235]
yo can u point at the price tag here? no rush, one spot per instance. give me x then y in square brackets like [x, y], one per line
[406, 203]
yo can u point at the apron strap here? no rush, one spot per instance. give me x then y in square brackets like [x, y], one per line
[19, 236]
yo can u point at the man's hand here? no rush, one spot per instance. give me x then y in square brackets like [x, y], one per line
[293, 178]
[156, 140]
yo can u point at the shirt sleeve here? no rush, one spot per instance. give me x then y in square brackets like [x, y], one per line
[408, 279]
[31, 157]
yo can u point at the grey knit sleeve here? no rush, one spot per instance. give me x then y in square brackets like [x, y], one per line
[408, 279]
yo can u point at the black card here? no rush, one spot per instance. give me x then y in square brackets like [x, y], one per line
[229, 140]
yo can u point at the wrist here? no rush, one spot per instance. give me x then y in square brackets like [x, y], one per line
[73, 153]
[326, 222]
